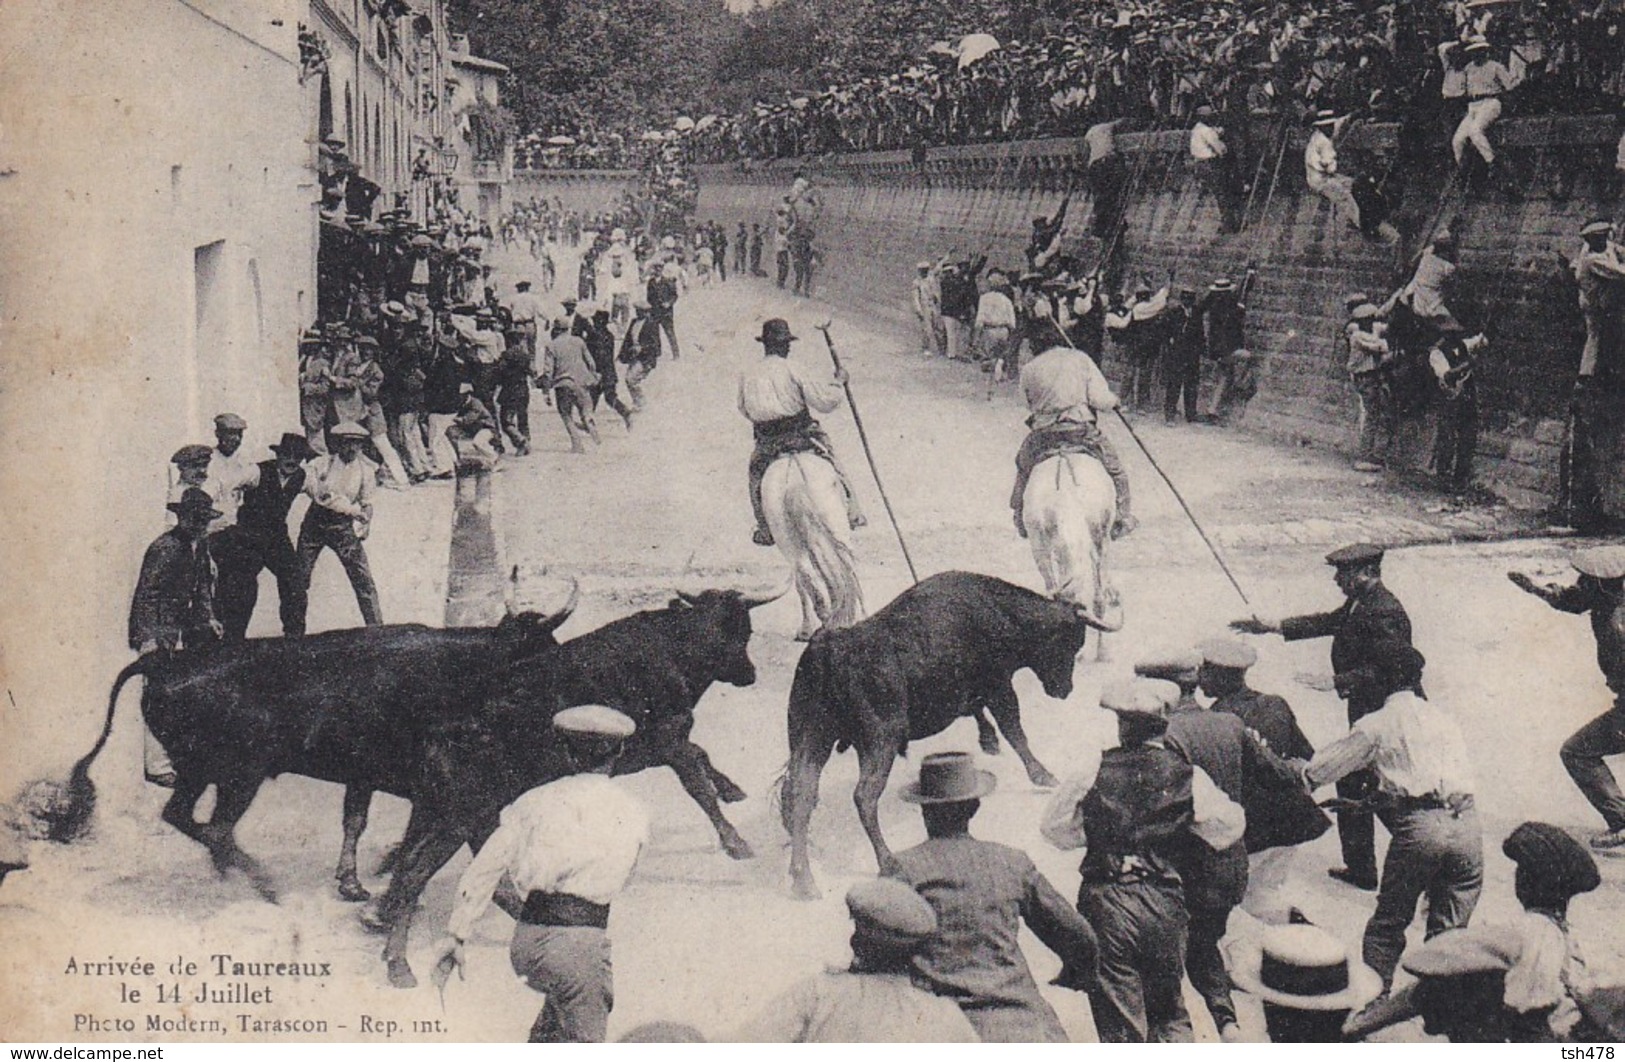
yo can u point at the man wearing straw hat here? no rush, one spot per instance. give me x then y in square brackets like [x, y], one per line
[982, 892]
[560, 856]
[1599, 594]
[1138, 814]
[1307, 981]
[874, 1000]
[1486, 80]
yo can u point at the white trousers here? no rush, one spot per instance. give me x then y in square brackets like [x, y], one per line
[1475, 127]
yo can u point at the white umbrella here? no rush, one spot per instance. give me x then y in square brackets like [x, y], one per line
[707, 122]
[683, 124]
[974, 46]
[561, 140]
[653, 134]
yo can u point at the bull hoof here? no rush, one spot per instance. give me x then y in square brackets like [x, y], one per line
[373, 919]
[804, 889]
[352, 890]
[738, 848]
[990, 744]
[1042, 778]
[729, 793]
[400, 974]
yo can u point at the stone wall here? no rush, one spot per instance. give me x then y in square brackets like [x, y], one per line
[884, 211]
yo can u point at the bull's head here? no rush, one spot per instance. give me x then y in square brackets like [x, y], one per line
[537, 629]
[1056, 649]
[721, 639]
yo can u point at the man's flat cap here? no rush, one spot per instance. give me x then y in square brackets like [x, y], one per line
[1597, 228]
[348, 430]
[1359, 553]
[193, 454]
[1175, 667]
[1228, 652]
[1601, 562]
[1551, 857]
[1140, 696]
[1460, 952]
[595, 720]
[893, 906]
[230, 422]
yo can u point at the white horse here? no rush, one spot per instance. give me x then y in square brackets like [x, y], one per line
[1068, 509]
[805, 507]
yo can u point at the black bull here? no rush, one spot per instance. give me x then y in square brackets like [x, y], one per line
[945, 648]
[460, 728]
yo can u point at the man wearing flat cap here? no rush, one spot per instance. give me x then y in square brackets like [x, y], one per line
[1368, 624]
[1137, 813]
[1424, 795]
[1247, 772]
[874, 1000]
[981, 893]
[1600, 594]
[1523, 981]
[779, 398]
[560, 856]
[173, 604]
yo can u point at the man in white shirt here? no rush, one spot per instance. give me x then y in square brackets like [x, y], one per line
[1320, 168]
[566, 850]
[1064, 391]
[340, 487]
[779, 398]
[1486, 79]
[928, 308]
[994, 327]
[1211, 157]
[529, 313]
[1424, 798]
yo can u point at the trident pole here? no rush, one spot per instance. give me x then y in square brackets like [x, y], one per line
[1190, 515]
[874, 470]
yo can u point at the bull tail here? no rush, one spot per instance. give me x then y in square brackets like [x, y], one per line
[65, 814]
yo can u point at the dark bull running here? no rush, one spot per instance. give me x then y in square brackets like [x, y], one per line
[943, 649]
[454, 721]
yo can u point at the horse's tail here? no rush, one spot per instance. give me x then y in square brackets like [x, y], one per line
[65, 811]
[816, 536]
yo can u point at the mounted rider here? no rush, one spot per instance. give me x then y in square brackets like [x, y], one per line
[779, 398]
[1064, 390]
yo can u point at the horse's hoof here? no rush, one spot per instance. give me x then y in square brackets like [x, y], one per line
[352, 890]
[738, 848]
[400, 974]
[372, 919]
[729, 793]
[1043, 779]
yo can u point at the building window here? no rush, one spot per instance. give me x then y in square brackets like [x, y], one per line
[208, 286]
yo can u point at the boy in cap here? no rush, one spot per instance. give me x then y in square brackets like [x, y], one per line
[981, 893]
[1522, 982]
[340, 487]
[1139, 813]
[1363, 630]
[874, 1000]
[1600, 594]
[560, 856]
[173, 604]
[1424, 793]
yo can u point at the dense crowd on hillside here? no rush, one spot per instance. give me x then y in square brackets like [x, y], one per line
[1156, 64]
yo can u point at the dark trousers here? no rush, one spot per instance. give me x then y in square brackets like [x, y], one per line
[483, 378]
[1141, 928]
[668, 325]
[1141, 371]
[1181, 377]
[1219, 176]
[1204, 964]
[740, 255]
[756, 260]
[1579, 486]
[722, 265]
[1357, 828]
[605, 389]
[325, 529]
[240, 556]
[801, 261]
[1434, 853]
[1457, 440]
[515, 407]
[1106, 180]
[1583, 755]
[783, 262]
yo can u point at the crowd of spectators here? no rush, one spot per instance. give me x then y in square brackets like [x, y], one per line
[1155, 64]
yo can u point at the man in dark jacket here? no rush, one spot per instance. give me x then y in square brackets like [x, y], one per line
[1599, 593]
[1224, 678]
[173, 604]
[1138, 816]
[640, 350]
[1182, 357]
[592, 325]
[982, 892]
[959, 299]
[263, 544]
[662, 295]
[1363, 630]
[1216, 881]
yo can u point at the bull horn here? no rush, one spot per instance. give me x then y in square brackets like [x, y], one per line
[763, 597]
[569, 602]
[1097, 622]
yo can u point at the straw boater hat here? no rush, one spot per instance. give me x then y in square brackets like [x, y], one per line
[1302, 967]
[1601, 562]
[949, 778]
[1597, 228]
[348, 430]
